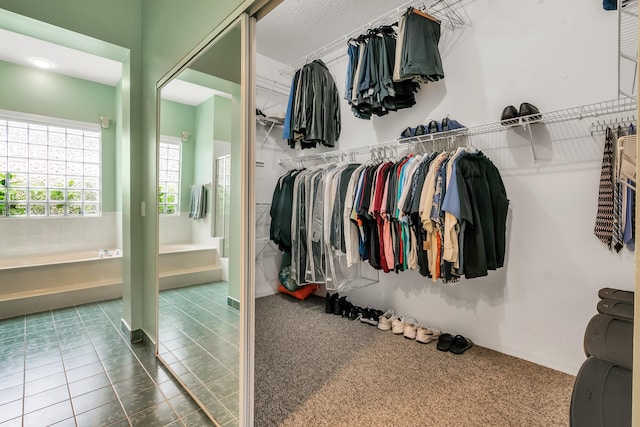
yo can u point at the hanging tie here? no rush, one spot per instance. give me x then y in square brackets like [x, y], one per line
[604, 218]
[617, 234]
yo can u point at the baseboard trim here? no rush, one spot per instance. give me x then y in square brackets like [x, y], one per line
[265, 292]
[234, 303]
[134, 336]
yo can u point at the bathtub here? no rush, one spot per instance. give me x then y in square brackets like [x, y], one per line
[43, 282]
[188, 264]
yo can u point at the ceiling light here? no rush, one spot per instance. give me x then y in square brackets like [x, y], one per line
[41, 63]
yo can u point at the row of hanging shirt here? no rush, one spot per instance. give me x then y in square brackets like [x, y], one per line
[387, 64]
[442, 214]
[615, 219]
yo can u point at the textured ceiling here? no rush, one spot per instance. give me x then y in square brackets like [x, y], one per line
[297, 27]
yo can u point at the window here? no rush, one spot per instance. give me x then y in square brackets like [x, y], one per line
[48, 167]
[223, 201]
[169, 176]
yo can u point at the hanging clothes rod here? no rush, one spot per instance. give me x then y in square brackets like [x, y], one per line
[601, 126]
[440, 9]
[573, 113]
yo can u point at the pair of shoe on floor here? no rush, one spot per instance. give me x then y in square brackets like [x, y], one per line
[434, 126]
[528, 112]
[401, 325]
[456, 345]
[339, 306]
[334, 303]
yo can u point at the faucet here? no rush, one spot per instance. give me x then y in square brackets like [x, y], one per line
[107, 252]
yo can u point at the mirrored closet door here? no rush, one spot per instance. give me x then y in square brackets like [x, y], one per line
[200, 157]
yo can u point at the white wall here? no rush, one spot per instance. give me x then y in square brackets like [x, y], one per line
[175, 229]
[554, 55]
[268, 151]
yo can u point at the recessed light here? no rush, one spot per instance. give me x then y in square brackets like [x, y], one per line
[41, 63]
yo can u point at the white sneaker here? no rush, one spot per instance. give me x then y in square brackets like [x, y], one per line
[410, 328]
[384, 324]
[426, 335]
[397, 324]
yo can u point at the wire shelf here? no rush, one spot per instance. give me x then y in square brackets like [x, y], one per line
[455, 136]
[443, 10]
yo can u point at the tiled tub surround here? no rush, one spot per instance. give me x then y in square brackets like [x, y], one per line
[40, 282]
[73, 367]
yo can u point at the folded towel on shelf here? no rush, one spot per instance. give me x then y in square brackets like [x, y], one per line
[198, 202]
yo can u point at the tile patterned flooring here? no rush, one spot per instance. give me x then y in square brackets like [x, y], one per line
[199, 338]
[73, 367]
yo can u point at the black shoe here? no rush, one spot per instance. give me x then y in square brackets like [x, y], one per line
[355, 312]
[445, 124]
[374, 317]
[330, 302]
[433, 127]
[407, 133]
[509, 116]
[421, 130]
[346, 309]
[365, 315]
[529, 112]
[337, 308]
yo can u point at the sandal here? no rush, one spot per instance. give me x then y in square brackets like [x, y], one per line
[444, 342]
[460, 344]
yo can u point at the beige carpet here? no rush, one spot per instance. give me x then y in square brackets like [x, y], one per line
[316, 369]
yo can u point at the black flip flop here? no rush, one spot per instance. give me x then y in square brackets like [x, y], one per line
[460, 344]
[444, 342]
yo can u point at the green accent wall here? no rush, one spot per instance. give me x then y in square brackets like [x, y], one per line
[175, 118]
[223, 123]
[49, 94]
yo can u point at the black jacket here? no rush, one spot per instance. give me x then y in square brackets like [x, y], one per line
[316, 108]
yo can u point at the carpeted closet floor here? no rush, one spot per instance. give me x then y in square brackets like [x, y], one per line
[317, 369]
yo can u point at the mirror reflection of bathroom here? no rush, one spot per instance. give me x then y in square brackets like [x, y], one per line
[199, 146]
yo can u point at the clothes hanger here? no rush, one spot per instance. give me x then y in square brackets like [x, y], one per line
[452, 16]
[423, 14]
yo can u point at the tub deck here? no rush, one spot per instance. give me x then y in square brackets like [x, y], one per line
[44, 282]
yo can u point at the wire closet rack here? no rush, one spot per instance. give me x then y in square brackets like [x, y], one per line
[627, 47]
[446, 11]
[454, 136]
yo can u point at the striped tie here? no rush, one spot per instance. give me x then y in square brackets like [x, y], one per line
[604, 218]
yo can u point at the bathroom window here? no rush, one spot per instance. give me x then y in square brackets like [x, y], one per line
[223, 197]
[48, 167]
[169, 176]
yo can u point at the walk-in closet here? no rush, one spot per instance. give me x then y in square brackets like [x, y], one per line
[318, 213]
[521, 85]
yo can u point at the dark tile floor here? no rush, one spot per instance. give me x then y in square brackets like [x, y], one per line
[72, 367]
[199, 338]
